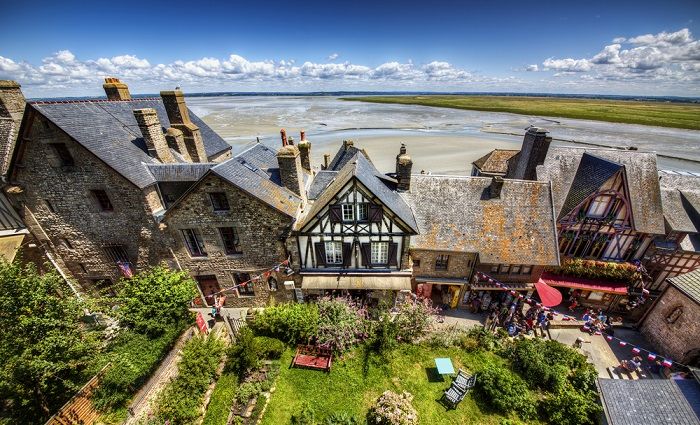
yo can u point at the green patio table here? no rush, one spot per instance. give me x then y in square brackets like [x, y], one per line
[444, 366]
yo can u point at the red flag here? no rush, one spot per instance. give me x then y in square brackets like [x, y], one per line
[622, 343]
[635, 350]
[201, 323]
[609, 338]
[667, 363]
[651, 357]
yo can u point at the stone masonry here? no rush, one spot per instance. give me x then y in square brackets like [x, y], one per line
[58, 207]
[261, 231]
[673, 325]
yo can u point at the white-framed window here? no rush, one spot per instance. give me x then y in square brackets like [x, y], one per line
[362, 211]
[526, 269]
[334, 252]
[348, 212]
[380, 252]
[599, 206]
[515, 269]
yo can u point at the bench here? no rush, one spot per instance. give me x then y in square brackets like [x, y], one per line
[313, 357]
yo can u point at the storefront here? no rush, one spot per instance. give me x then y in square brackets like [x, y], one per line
[588, 292]
[443, 292]
[369, 288]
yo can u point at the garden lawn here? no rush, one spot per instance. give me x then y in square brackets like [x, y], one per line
[221, 400]
[664, 114]
[348, 389]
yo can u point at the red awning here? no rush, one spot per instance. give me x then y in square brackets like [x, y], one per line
[548, 296]
[618, 288]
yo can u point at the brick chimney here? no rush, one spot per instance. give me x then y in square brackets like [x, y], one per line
[290, 169]
[305, 151]
[179, 116]
[404, 163]
[12, 105]
[496, 186]
[152, 132]
[532, 153]
[115, 89]
[176, 140]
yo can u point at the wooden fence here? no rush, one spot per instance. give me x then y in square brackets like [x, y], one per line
[79, 409]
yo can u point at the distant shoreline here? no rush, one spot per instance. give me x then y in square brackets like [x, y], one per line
[683, 115]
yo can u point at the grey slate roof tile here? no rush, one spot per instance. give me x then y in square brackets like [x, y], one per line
[688, 283]
[680, 199]
[320, 182]
[495, 161]
[184, 172]
[560, 168]
[9, 219]
[455, 213]
[592, 173]
[344, 155]
[109, 130]
[646, 401]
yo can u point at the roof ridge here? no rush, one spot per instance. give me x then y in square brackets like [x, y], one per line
[52, 102]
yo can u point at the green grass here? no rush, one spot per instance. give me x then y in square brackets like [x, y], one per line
[663, 114]
[348, 389]
[221, 400]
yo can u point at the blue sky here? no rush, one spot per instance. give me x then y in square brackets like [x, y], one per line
[641, 47]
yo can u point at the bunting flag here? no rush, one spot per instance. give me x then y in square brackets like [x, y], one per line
[256, 278]
[565, 317]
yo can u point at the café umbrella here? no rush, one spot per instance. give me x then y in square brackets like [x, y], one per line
[549, 297]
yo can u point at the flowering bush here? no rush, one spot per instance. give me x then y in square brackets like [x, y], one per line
[341, 323]
[594, 269]
[393, 409]
[292, 323]
[414, 319]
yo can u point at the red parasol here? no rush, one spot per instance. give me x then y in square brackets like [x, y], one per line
[549, 296]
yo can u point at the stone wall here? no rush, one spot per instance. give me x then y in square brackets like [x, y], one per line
[677, 340]
[71, 224]
[459, 265]
[531, 277]
[261, 230]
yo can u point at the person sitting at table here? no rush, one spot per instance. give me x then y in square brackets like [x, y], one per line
[633, 365]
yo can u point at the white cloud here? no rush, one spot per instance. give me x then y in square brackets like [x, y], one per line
[333, 56]
[532, 68]
[618, 40]
[567, 65]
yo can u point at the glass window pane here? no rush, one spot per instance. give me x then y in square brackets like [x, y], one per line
[348, 213]
[380, 252]
[334, 253]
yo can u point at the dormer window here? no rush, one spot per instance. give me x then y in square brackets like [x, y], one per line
[599, 206]
[219, 201]
[348, 212]
[362, 212]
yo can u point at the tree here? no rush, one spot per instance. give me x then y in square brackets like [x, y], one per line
[45, 347]
[154, 299]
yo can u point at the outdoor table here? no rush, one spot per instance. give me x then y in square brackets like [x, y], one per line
[444, 366]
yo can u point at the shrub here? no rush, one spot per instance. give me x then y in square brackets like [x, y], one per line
[220, 402]
[341, 323]
[269, 348]
[181, 399]
[340, 418]
[414, 319]
[383, 335]
[584, 378]
[570, 407]
[393, 409]
[505, 392]
[307, 415]
[242, 356]
[155, 299]
[446, 338]
[292, 323]
[484, 339]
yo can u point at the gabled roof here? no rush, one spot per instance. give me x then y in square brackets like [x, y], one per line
[688, 283]
[591, 174]
[9, 219]
[377, 183]
[182, 172]
[457, 214]
[346, 153]
[561, 165]
[680, 199]
[109, 130]
[320, 182]
[648, 401]
[496, 161]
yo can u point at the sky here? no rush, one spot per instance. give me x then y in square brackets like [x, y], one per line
[65, 48]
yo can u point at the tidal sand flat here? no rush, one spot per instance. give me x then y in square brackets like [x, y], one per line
[440, 140]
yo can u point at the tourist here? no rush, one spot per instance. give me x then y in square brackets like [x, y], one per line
[633, 365]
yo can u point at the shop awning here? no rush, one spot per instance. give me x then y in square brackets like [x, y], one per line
[486, 286]
[9, 246]
[382, 283]
[441, 281]
[584, 284]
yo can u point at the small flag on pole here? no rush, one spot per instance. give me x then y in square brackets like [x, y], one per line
[667, 363]
[651, 357]
[635, 350]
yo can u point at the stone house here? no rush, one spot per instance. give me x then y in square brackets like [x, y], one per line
[672, 324]
[80, 177]
[494, 163]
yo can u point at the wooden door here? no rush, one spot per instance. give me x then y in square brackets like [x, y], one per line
[209, 286]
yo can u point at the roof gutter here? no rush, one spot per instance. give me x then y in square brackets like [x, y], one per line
[554, 222]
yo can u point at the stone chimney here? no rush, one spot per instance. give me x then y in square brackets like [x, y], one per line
[496, 186]
[305, 151]
[115, 89]
[283, 136]
[152, 132]
[403, 170]
[347, 144]
[179, 116]
[176, 140]
[290, 169]
[532, 153]
[12, 105]
[326, 160]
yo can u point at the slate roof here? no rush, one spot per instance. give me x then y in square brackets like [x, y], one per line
[688, 283]
[9, 219]
[591, 174]
[496, 161]
[256, 171]
[456, 214]
[561, 165]
[320, 182]
[109, 130]
[184, 172]
[646, 401]
[680, 199]
[344, 155]
[383, 187]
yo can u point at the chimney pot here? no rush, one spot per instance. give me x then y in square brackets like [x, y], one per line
[302, 135]
[496, 186]
[404, 163]
[326, 160]
[283, 135]
[305, 151]
[290, 141]
[115, 89]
